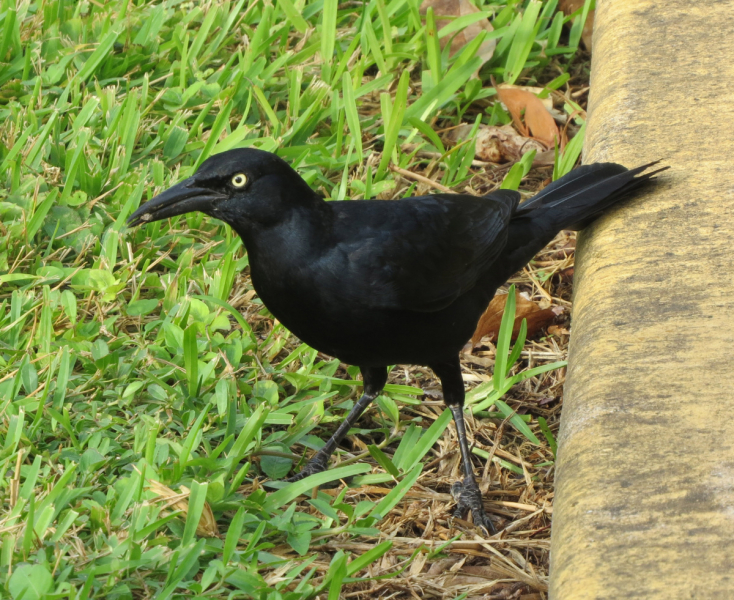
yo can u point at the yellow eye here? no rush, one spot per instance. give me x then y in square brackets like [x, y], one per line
[239, 180]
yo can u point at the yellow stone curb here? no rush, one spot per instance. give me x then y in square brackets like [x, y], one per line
[644, 504]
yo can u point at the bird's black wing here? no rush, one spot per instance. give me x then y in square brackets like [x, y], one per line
[414, 254]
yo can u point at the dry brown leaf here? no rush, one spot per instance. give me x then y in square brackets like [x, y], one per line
[497, 144]
[557, 330]
[537, 121]
[536, 317]
[459, 8]
[571, 6]
[547, 101]
[566, 275]
[545, 159]
[207, 526]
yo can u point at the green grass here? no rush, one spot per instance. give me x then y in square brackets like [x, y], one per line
[124, 356]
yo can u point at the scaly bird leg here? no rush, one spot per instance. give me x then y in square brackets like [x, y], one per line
[374, 380]
[467, 492]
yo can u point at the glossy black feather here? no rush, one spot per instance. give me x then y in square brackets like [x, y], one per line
[417, 254]
[377, 283]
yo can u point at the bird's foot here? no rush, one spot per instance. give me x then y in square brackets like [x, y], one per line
[317, 464]
[468, 497]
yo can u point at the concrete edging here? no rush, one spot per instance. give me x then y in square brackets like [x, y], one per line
[645, 476]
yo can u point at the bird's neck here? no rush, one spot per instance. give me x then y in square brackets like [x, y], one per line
[298, 232]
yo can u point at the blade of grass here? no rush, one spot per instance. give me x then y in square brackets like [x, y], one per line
[503, 340]
[396, 494]
[293, 490]
[328, 37]
[522, 42]
[392, 129]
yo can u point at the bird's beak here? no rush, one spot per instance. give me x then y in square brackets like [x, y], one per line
[182, 198]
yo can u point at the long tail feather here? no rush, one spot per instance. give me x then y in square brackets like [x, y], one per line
[573, 201]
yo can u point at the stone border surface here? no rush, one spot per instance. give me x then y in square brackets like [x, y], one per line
[645, 477]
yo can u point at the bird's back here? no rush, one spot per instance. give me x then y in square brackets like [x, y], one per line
[417, 253]
[406, 281]
[395, 275]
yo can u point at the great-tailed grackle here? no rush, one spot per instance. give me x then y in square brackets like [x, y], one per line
[377, 283]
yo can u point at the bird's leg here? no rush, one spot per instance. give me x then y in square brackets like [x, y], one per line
[374, 380]
[320, 460]
[466, 492]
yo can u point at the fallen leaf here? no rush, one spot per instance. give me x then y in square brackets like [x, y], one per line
[440, 566]
[571, 6]
[207, 526]
[529, 115]
[559, 331]
[547, 101]
[418, 563]
[498, 144]
[536, 317]
[566, 274]
[459, 8]
[480, 361]
[545, 159]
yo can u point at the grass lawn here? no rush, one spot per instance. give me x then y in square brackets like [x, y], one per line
[149, 402]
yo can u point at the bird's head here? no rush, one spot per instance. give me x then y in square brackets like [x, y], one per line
[241, 187]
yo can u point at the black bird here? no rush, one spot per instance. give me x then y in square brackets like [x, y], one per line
[378, 283]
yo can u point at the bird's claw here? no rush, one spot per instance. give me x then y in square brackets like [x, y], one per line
[468, 497]
[317, 464]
